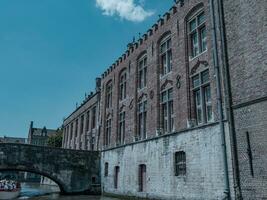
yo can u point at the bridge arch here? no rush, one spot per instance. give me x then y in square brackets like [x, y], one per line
[21, 169]
[72, 170]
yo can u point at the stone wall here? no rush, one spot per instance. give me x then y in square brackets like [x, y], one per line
[204, 165]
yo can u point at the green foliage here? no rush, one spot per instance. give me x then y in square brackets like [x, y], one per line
[55, 140]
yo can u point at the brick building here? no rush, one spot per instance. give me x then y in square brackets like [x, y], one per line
[246, 44]
[181, 112]
[81, 128]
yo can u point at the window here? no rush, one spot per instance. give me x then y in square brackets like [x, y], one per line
[202, 97]
[122, 87]
[76, 128]
[71, 131]
[93, 125]
[166, 55]
[116, 177]
[141, 119]
[167, 110]
[142, 178]
[109, 95]
[67, 136]
[93, 180]
[107, 132]
[197, 34]
[121, 135]
[81, 126]
[92, 143]
[106, 169]
[142, 72]
[87, 121]
[180, 163]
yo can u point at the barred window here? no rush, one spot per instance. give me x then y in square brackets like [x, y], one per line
[167, 113]
[180, 163]
[142, 72]
[202, 97]
[106, 169]
[197, 34]
[166, 55]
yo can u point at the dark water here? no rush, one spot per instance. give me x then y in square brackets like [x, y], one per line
[44, 192]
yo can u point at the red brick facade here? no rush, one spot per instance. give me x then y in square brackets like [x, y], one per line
[175, 26]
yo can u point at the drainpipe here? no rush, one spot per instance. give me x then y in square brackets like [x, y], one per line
[224, 57]
[219, 100]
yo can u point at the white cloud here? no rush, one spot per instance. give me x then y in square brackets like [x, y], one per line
[125, 9]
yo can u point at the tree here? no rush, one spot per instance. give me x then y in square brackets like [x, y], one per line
[55, 140]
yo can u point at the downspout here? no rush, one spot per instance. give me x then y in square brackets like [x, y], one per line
[224, 57]
[219, 101]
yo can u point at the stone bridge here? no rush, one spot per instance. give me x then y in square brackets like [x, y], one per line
[73, 171]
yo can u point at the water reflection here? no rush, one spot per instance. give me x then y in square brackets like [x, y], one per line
[45, 192]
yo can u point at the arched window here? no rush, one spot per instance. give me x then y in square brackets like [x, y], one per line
[197, 33]
[109, 94]
[167, 113]
[202, 96]
[142, 118]
[165, 55]
[142, 71]
[122, 85]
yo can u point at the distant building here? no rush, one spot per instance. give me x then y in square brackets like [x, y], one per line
[6, 139]
[81, 127]
[38, 136]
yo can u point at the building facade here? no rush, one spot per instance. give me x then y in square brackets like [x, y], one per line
[161, 135]
[38, 136]
[81, 128]
[181, 113]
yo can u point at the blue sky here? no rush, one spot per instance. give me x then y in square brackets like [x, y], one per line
[52, 50]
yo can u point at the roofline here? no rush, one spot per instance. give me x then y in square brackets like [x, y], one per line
[97, 92]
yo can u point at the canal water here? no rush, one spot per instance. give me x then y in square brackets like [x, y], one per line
[44, 192]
